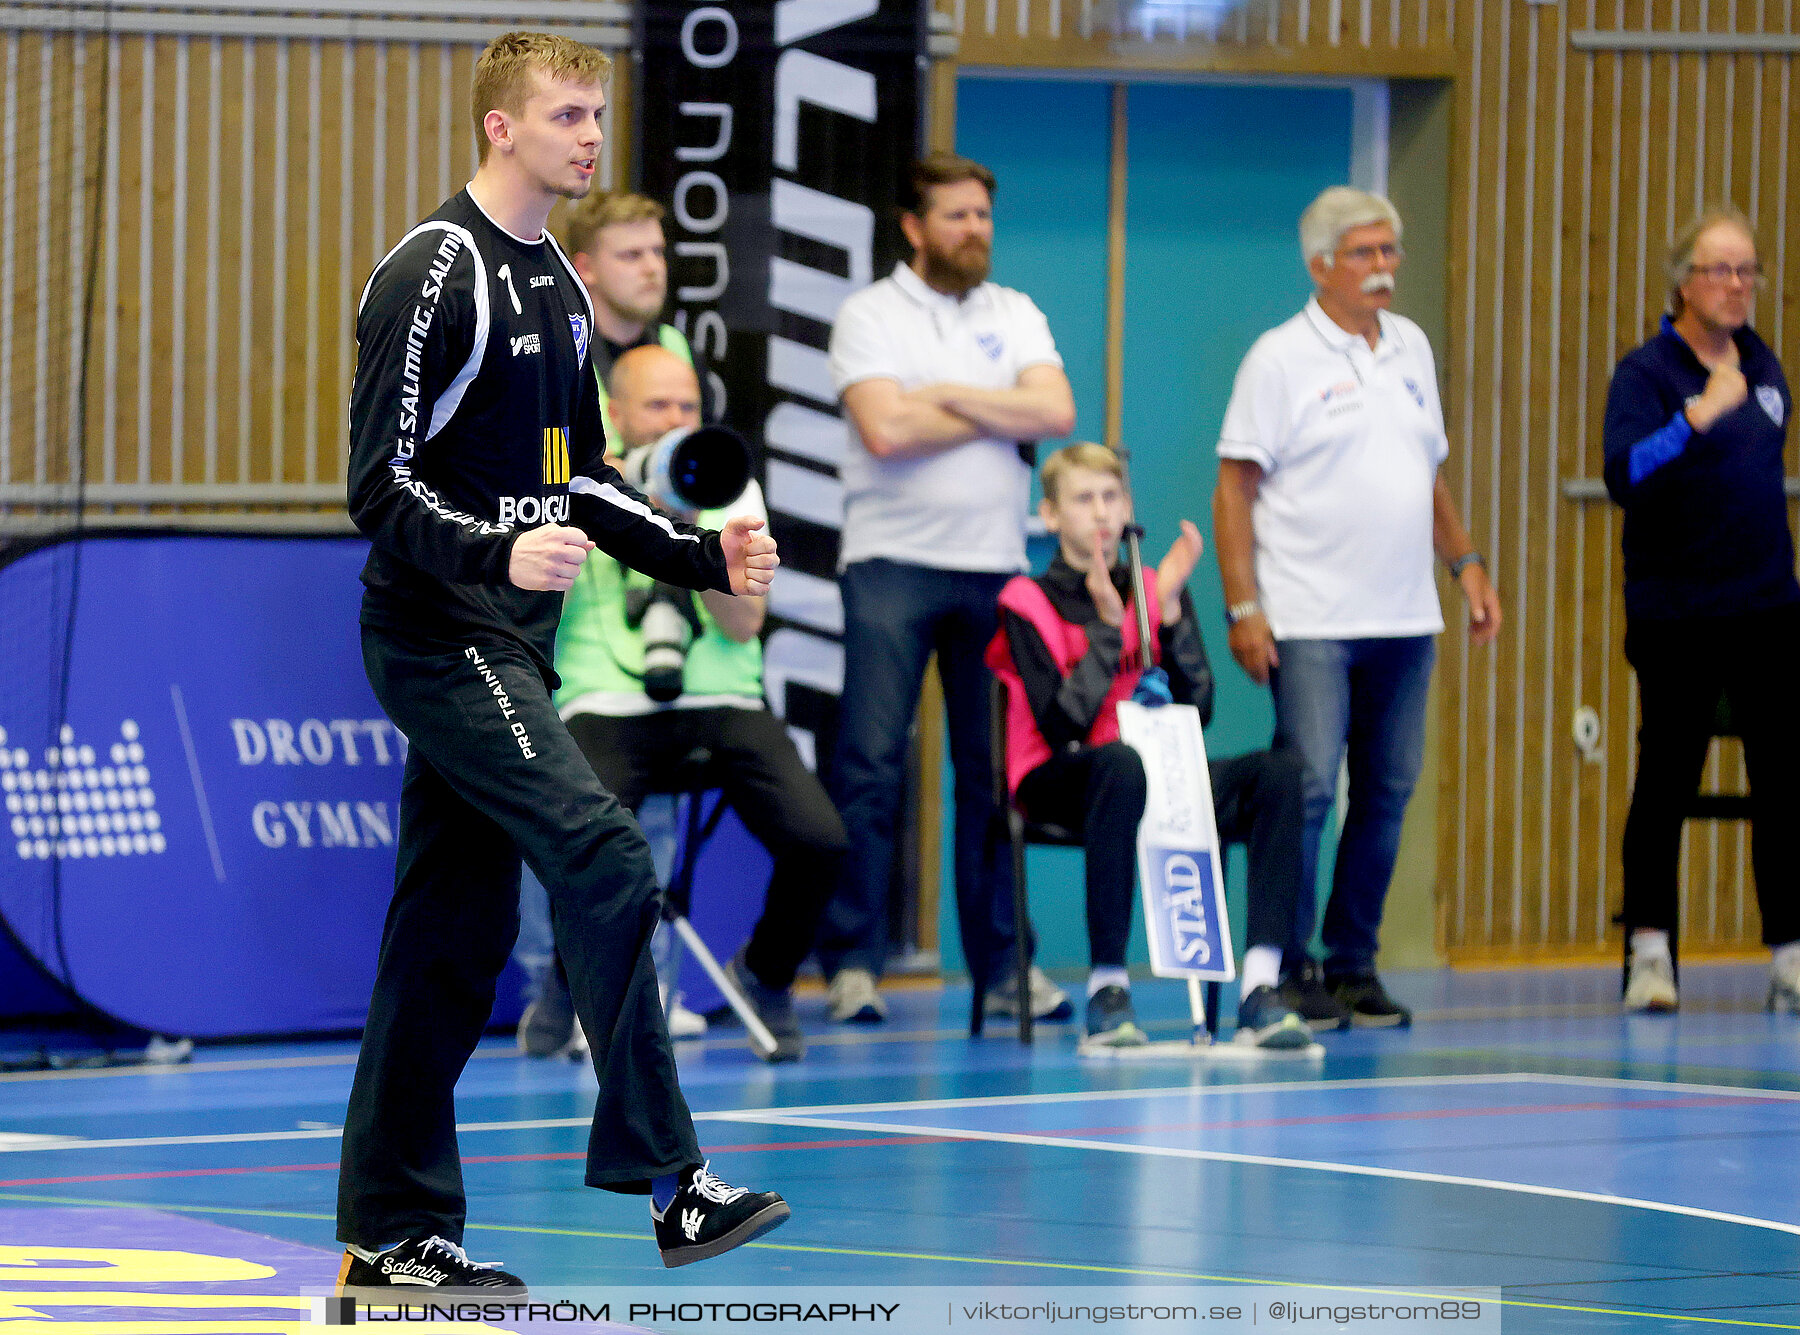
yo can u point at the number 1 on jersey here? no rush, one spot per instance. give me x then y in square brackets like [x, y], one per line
[505, 271]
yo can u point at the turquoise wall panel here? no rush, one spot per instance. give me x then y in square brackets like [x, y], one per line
[1217, 177]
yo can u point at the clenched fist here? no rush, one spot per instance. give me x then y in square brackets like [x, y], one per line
[1725, 389]
[547, 559]
[749, 555]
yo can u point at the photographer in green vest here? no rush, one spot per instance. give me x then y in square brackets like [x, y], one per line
[636, 724]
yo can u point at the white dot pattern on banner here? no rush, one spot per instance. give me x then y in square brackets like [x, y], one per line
[77, 808]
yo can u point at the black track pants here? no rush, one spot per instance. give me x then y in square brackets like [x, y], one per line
[492, 773]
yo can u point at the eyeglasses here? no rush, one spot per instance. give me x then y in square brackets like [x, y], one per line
[1387, 250]
[1750, 275]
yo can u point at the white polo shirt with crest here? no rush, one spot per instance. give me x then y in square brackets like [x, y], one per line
[963, 508]
[1349, 440]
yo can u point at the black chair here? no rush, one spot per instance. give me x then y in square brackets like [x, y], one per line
[1020, 833]
[1703, 806]
[691, 780]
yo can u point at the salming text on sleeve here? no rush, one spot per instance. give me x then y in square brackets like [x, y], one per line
[473, 417]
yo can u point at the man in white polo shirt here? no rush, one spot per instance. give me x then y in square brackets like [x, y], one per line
[1328, 510]
[947, 379]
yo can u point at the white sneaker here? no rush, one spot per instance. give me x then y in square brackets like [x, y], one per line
[684, 1023]
[1048, 1001]
[1650, 987]
[1784, 989]
[854, 999]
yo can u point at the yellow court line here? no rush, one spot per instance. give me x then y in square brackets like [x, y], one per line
[67, 1298]
[1076, 1267]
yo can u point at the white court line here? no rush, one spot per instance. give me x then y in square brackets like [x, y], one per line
[1262, 1161]
[1264, 1087]
[808, 1115]
[1613, 1082]
[26, 1140]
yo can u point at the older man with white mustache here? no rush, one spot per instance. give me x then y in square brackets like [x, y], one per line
[1328, 510]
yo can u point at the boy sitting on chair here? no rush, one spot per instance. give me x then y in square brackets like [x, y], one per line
[1068, 652]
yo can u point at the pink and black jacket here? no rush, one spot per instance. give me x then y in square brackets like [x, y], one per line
[1065, 670]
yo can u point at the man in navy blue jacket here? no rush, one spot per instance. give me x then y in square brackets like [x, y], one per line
[1696, 423]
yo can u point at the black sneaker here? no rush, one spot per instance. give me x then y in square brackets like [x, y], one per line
[774, 1007]
[425, 1263]
[1368, 1001]
[707, 1218]
[1303, 992]
[1265, 1021]
[1111, 1020]
[547, 1028]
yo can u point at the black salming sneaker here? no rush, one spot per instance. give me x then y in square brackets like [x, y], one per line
[425, 1263]
[708, 1218]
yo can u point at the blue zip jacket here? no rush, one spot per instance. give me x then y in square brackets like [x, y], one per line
[1706, 522]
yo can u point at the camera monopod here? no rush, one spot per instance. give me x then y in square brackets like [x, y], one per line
[1153, 684]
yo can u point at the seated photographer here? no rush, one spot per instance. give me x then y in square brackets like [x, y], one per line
[1068, 652]
[636, 720]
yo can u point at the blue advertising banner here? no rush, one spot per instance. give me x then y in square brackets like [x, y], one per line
[202, 796]
[200, 841]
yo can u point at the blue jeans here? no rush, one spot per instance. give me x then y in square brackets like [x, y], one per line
[895, 615]
[1367, 696]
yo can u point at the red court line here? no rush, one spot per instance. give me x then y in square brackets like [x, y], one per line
[469, 1158]
[1416, 1115]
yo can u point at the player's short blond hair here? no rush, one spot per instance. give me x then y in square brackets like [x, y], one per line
[503, 73]
[1082, 454]
[602, 209]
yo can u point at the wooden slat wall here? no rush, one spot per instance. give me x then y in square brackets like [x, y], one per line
[1573, 169]
[235, 234]
[1261, 36]
[1587, 162]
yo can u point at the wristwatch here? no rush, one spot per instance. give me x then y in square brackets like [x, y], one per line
[1238, 611]
[1464, 561]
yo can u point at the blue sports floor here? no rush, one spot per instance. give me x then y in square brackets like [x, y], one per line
[1607, 1173]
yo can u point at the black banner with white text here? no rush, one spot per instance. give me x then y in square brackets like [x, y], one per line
[778, 136]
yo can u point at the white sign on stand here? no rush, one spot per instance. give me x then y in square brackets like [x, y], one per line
[1179, 873]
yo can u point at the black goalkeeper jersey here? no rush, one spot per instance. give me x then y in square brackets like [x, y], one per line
[475, 416]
